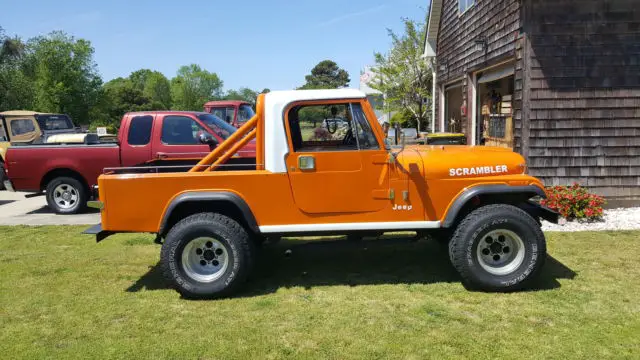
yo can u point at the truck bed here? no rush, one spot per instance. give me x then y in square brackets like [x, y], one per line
[28, 165]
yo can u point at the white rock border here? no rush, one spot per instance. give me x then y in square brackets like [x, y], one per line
[613, 219]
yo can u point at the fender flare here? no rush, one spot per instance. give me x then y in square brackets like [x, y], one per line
[469, 193]
[203, 196]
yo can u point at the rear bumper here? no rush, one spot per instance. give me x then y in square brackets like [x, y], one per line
[98, 232]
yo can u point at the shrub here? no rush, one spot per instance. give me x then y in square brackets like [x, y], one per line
[574, 202]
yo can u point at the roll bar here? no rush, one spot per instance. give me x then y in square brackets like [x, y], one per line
[254, 128]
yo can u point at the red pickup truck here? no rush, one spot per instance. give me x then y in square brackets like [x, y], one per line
[152, 141]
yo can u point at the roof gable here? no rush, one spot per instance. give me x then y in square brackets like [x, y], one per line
[433, 26]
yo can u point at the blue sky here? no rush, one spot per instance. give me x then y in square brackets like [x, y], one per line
[248, 43]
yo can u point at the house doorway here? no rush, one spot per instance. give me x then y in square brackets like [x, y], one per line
[494, 115]
[452, 105]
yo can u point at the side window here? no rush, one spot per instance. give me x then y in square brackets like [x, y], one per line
[366, 138]
[180, 130]
[464, 5]
[22, 126]
[322, 128]
[140, 130]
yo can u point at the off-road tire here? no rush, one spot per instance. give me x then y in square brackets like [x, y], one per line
[463, 248]
[229, 233]
[80, 204]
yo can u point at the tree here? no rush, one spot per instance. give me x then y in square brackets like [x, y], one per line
[326, 75]
[154, 86]
[193, 86]
[66, 79]
[244, 94]
[403, 76]
[16, 86]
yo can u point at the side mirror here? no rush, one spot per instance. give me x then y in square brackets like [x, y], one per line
[208, 139]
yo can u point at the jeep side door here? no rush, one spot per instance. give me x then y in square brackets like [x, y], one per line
[335, 169]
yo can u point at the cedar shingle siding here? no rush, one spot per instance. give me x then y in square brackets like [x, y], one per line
[576, 105]
[584, 93]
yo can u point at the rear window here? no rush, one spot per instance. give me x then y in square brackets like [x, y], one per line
[140, 130]
[55, 122]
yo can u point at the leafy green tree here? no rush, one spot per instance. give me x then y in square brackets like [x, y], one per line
[193, 86]
[16, 86]
[244, 94]
[326, 75]
[66, 79]
[157, 88]
[403, 76]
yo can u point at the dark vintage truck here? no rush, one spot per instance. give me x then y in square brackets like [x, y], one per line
[67, 172]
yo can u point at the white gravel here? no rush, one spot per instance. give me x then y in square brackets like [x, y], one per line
[614, 219]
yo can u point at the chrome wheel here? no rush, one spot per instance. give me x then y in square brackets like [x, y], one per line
[500, 252]
[66, 196]
[205, 259]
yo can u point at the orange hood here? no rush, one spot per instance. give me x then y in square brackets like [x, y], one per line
[440, 162]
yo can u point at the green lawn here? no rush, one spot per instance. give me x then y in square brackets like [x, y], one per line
[64, 296]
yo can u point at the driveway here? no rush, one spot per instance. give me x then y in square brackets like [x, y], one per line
[15, 209]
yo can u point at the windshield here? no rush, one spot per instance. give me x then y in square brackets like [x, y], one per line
[54, 122]
[217, 125]
[245, 113]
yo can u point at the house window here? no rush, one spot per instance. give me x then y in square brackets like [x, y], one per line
[464, 5]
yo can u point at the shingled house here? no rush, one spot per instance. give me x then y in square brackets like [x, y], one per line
[557, 81]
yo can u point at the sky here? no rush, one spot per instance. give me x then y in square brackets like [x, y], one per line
[255, 44]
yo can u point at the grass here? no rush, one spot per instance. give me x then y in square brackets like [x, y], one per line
[63, 296]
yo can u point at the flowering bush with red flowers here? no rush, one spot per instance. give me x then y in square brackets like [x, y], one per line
[574, 202]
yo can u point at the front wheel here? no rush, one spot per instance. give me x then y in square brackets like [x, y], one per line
[207, 255]
[497, 248]
[66, 195]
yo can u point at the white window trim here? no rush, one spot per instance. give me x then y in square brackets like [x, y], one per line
[467, 9]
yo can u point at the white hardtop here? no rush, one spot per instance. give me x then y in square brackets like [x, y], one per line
[275, 136]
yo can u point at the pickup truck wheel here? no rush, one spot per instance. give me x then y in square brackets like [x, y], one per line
[66, 195]
[497, 248]
[206, 256]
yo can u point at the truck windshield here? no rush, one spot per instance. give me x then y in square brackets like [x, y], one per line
[217, 125]
[54, 122]
[245, 113]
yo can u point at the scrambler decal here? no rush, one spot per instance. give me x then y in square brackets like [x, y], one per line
[480, 170]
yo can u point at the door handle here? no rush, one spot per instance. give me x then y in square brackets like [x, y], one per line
[162, 155]
[306, 162]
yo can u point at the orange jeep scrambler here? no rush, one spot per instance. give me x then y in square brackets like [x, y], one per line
[309, 181]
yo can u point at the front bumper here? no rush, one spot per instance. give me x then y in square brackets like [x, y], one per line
[98, 232]
[9, 185]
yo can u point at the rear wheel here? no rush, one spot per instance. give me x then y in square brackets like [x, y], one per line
[497, 248]
[66, 195]
[207, 255]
